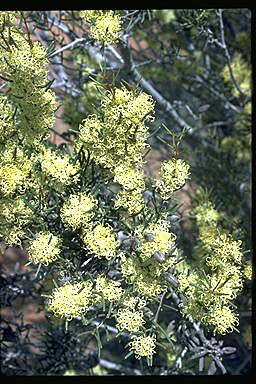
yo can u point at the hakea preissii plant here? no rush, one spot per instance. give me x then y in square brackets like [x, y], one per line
[90, 203]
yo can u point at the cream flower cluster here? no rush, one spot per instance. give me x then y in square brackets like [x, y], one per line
[133, 186]
[24, 66]
[174, 174]
[105, 25]
[14, 170]
[118, 135]
[45, 248]
[101, 241]
[58, 168]
[108, 289]
[223, 320]
[130, 320]
[209, 291]
[14, 217]
[144, 280]
[78, 210]
[71, 300]
[156, 238]
[223, 249]
[143, 346]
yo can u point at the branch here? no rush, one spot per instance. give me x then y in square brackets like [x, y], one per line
[68, 46]
[168, 107]
[227, 54]
[118, 367]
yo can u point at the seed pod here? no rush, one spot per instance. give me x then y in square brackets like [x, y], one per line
[149, 236]
[171, 250]
[121, 236]
[174, 218]
[160, 257]
[148, 313]
[171, 279]
[228, 350]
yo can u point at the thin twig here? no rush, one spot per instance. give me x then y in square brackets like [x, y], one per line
[68, 46]
[120, 368]
[227, 54]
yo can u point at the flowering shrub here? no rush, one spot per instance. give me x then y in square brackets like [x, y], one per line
[106, 236]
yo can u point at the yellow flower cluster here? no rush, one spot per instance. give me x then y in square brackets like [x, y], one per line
[105, 25]
[14, 169]
[222, 250]
[155, 238]
[77, 211]
[223, 320]
[118, 135]
[14, 216]
[130, 197]
[239, 147]
[143, 346]
[130, 320]
[210, 290]
[108, 289]
[242, 72]
[133, 302]
[101, 241]
[144, 279]
[24, 65]
[7, 19]
[58, 168]
[206, 214]
[71, 300]
[45, 248]
[174, 174]
[133, 107]
[219, 289]
[7, 125]
[248, 271]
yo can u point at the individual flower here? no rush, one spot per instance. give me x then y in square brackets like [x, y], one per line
[143, 346]
[71, 300]
[101, 241]
[174, 174]
[45, 248]
[78, 210]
